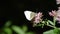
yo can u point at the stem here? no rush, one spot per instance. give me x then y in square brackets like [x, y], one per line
[54, 20]
[51, 26]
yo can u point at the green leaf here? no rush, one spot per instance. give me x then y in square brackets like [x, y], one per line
[47, 23]
[39, 25]
[57, 31]
[51, 22]
[29, 33]
[43, 22]
[18, 30]
[24, 28]
[49, 32]
[53, 31]
[8, 30]
[59, 28]
[42, 25]
[8, 23]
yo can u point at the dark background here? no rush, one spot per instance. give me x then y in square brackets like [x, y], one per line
[14, 10]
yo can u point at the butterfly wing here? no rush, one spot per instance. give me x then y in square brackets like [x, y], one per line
[29, 15]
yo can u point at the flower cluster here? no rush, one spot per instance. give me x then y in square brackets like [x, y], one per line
[38, 17]
[55, 14]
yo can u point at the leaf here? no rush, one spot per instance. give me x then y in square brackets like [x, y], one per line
[42, 25]
[47, 23]
[24, 28]
[59, 28]
[18, 30]
[8, 23]
[51, 22]
[53, 31]
[29, 33]
[57, 31]
[49, 32]
[8, 30]
[43, 22]
[39, 25]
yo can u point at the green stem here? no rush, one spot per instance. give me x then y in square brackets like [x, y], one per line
[51, 26]
[54, 20]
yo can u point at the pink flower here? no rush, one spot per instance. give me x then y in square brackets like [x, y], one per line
[38, 17]
[58, 1]
[53, 13]
[58, 16]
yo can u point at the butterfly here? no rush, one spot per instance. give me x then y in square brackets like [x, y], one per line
[29, 15]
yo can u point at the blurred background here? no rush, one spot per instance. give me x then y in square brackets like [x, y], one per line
[13, 10]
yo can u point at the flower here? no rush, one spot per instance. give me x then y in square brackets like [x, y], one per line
[58, 16]
[38, 17]
[58, 1]
[53, 13]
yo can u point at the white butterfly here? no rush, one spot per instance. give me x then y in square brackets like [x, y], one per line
[29, 15]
